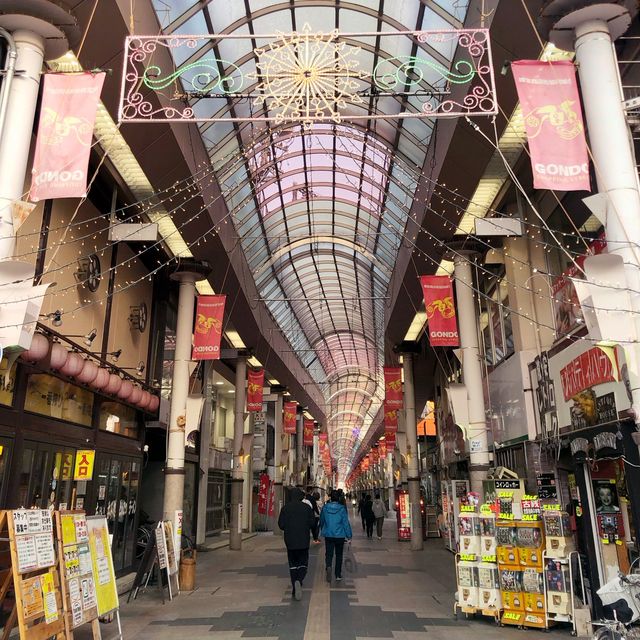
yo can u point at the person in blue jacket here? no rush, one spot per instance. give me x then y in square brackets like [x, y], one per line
[335, 529]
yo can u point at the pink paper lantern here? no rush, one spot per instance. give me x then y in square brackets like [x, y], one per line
[136, 395]
[73, 366]
[144, 401]
[114, 384]
[125, 390]
[38, 349]
[101, 380]
[154, 404]
[58, 356]
[89, 372]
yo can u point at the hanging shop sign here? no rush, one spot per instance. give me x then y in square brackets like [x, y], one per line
[548, 94]
[390, 418]
[85, 459]
[289, 425]
[393, 387]
[208, 327]
[255, 386]
[307, 433]
[263, 494]
[65, 130]
[441, 311]
[390, 439]
[382, 448]
[594, 387]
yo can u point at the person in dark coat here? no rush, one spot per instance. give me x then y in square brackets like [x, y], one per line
[369, 516]
[361, 511]
[297, 521]
[312, 501]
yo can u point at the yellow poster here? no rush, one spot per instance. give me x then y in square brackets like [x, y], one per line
[68, 529]
[84, 464]
[49, 596]
[102, 564]
[32, 603]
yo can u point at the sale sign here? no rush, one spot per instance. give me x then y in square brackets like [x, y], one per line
[441, 311]
[290, 417]
[550, 104]
[390, 418]
[208, 328]
[65, 131]
[255, 385]
[393, 387]
[307, 433]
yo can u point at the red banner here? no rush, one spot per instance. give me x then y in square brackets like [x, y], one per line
[393, 387]
[255, 386]
[441, 311]
[307, 433]
[589, 369]
[65, 131]
[272, 500]
[208, 328]
[375, 455]
[382, 448]
[390, 438]
[390, 418]
[324, 438]
[289, 425]
[550, 103]
[263, 494]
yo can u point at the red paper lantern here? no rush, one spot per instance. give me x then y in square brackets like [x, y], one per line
[89, 372]
[73, 365]
[38, 349]
[101, 380]
[58, 356]
[114, 384]
[126, 389]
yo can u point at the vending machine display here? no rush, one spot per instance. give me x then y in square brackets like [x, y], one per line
[468, 584]
[489, 587]
[488, 541]
[556, 574]
[558, 534]
[530, 538]
[512, 595]
[506, 541]
[454, 495]
[469, 533]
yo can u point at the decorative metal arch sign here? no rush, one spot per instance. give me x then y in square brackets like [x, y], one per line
[308, 77]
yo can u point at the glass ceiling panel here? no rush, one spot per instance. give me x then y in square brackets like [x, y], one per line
[320, 212]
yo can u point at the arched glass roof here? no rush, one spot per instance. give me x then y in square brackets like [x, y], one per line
[320, 210]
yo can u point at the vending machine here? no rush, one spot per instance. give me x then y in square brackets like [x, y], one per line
[512, 595]
[557, 576]
[530, 540]
[558, 534]
[454, 495]
[468, 584]
[488, 535]
[489, 597]
[507, 543]
[469, 531]
[534, 605]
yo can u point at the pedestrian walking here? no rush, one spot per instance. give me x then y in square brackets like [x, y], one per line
[311, 499]
[297, 521]
[335, 529]
[379, 511]
[369, 518]
[361, 511]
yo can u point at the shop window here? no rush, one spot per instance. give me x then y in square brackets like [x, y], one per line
[55, 398]
[7, 382]
[118, 418]
[496, 322]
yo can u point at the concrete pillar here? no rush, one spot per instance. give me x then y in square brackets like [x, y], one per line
[299, 452]
[17, 129]
[314, 463]
[390, 482]
[472, 374]
[205, 445]
[413, 474]
[187, 275]
[277, 462]
[237, 476]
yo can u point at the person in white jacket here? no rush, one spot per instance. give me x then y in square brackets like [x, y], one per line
[379, 511]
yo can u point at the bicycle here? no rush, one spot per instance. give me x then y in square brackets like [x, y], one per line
[622, 597]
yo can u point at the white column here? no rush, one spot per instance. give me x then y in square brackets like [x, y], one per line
[16, 135]
[205, 446]
[237, 477]
[615, 163]
[390, 481]
[472, 372]
[413, 474]
[299, 459]
[278, 494]
[314, 465]
[174, 470]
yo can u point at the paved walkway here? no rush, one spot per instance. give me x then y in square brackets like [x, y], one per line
[394, 594]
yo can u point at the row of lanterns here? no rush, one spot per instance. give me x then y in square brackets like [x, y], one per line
[86, 371]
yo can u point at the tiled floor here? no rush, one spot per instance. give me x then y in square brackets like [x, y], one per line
[395, 593]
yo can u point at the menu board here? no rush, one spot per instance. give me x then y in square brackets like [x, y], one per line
[33, 535]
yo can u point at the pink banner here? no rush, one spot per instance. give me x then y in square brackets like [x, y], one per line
[550, 103]
[65, 131]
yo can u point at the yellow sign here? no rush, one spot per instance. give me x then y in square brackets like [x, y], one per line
[68, 529]
[102, 563]
[84, 464]
[49, 597]
[530, 517]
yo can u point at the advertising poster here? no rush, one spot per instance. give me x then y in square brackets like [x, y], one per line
[307, 433]
[393, 387]
[390, 418]
[102, 564]
[208, 327]
[289, 425]
[255, 387]
[49, 597]
[441, 311]
[32, 600]
[263, 493]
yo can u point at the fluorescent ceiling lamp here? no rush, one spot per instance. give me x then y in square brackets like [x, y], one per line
[273, 381]
[125, 163]
[234, 339]
[416, 326]
[254, 362]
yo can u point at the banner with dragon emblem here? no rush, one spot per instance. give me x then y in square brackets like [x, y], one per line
[393, 387]
[307, 433]
[382, 448]
[289, 424]
[550, 104]
[255, 385]
[65, 131]
[208, 328]
[441, 311]
[390, 418]
[390, 439]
